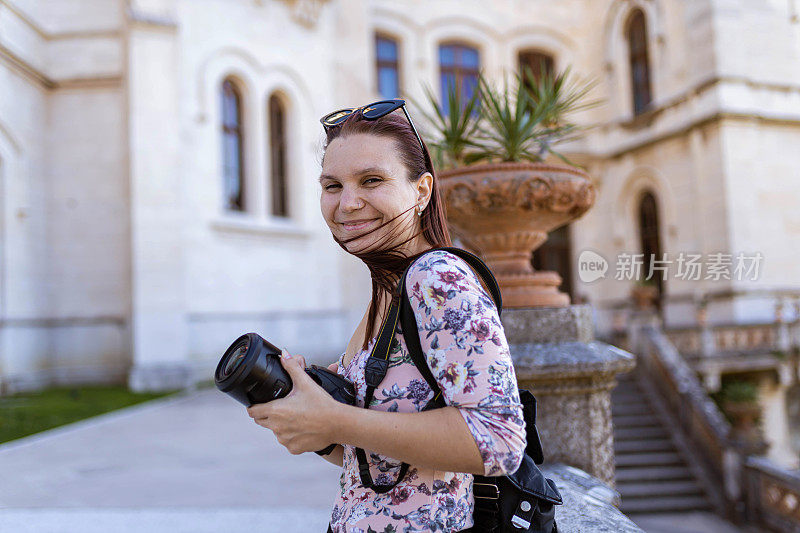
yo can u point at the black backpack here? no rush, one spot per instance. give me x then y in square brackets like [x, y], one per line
[521, 502]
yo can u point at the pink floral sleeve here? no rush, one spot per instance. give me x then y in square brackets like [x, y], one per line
[466, 348]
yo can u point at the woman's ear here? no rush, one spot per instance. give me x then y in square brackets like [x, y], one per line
[424, 189]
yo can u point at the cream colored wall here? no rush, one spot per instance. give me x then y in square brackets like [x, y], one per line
[23, 270]
[64, 260]
[691, 208]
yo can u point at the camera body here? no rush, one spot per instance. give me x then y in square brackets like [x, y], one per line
[250, 372]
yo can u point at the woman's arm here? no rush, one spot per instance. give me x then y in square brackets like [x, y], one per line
[309, 419]
[336, 457]
[438, 439]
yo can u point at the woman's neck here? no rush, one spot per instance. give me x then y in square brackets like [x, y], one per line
[416, 246]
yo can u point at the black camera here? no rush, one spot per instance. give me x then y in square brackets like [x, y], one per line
[250, 372]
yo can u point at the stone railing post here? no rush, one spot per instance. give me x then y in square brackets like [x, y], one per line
[708, 345]
[572, 375]
[782, 337]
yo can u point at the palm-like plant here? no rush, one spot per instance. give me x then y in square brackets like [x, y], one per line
[521, 122]
[456, 125]
[510, 123]
[561, 94]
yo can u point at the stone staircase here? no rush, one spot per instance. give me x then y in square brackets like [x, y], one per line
[652, 474]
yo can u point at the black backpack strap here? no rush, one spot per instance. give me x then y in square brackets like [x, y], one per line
[411, 336]
[376, 368]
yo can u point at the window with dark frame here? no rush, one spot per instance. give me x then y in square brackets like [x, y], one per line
[277, 151]
[232, 147]
[387, 66]
[539, 63]
[636, 32]
[459, 66]
[649, 239]
[535, 60]
[555, 255]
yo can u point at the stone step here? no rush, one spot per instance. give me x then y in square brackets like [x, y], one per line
[659, 488]
[635, 421]
[626, 393]
[665, 505]
[624, 398]
[649, 473]
[637, 433]
[631, 409]
[644, 446]
[649, 459]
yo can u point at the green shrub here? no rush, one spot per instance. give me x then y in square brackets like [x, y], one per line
[739, 391]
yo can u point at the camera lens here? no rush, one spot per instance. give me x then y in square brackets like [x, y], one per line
[250, 371]
[235, 359]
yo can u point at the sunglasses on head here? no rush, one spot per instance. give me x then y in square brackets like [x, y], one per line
[371, 111]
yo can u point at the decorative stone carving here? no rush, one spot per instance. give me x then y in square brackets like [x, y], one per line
[505, 210]
[305, 12]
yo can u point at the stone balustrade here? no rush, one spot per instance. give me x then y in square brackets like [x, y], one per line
[773, 495]
[753, 488]
[589, 504]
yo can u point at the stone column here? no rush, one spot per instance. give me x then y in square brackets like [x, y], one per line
[707, 340]
[571, 375]
[159, 335]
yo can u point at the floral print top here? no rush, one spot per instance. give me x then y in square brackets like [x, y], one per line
[466, 348]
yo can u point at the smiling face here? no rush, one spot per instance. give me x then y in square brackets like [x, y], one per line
[364, 185]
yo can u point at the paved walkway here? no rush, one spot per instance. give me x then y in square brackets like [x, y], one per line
[194, 463]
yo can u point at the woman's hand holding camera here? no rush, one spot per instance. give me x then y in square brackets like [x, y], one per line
[301, 421]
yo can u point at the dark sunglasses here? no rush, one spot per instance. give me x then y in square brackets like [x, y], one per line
[371, 111]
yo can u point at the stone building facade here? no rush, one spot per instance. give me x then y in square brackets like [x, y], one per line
[144, 224]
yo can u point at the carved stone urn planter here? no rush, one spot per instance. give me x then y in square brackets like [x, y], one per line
[504, 211]
[745, 428]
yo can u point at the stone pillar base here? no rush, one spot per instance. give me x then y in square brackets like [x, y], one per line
[571, 376]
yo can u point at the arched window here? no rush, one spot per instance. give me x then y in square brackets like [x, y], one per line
[277, 153]
[387, 66]
[538, 62]
[649, 237]
[459, 67]
[232, 147]
[636, 32]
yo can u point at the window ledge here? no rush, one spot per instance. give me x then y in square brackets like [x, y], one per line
[260, 226]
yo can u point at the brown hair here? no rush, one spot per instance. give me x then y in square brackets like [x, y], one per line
[386, 262]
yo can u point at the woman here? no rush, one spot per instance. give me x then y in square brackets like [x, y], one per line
[380, 200]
